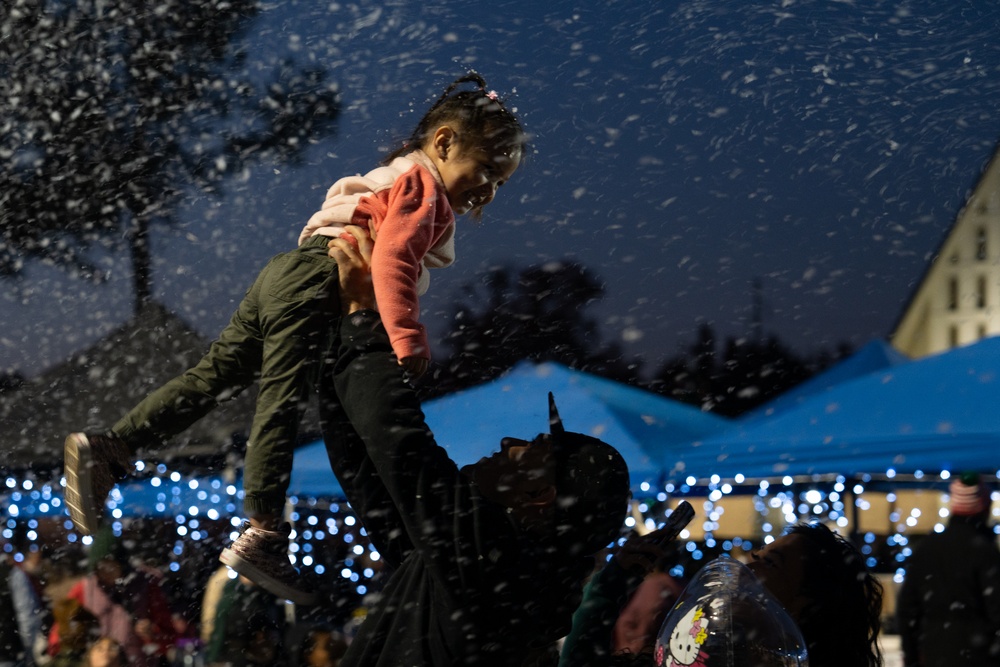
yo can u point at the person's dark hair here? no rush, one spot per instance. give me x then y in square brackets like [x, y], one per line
[478, 113]
[592, 487]
[841, 621]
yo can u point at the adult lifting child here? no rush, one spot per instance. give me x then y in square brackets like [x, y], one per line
[465, 147]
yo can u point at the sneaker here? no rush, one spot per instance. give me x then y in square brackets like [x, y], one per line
[262, 557]
[93, 464]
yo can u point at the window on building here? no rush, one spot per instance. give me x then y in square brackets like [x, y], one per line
[953, 336]
[981, 244]
[982, 331]
[953, 293]
[981, 292]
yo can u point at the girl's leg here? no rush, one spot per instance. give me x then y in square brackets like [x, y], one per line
[298, 311]
[297, 319]
[95, 462]
[231, 364]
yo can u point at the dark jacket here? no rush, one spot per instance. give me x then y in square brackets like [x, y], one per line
[949, 604]
[467, 587]
[249, 625]
[590, 643]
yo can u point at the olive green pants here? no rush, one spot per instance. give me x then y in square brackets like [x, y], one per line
[278, 335]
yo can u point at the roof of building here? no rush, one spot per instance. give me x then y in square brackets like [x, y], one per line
[92, 389]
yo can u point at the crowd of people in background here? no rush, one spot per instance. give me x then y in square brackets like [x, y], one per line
[106, 606]
[110, 604]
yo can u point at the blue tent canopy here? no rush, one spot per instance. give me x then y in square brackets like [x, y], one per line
[875, 356]
[936, 413]
[469, 424]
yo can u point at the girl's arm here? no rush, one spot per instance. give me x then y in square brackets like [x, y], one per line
[414, 218]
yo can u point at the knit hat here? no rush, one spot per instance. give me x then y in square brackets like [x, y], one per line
[106, 545]
[969, 495]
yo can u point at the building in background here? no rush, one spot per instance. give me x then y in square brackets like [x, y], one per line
[958, 300]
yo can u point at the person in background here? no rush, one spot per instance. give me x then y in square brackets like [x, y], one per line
[948, 608]
[131, 607]
[822, 581]
[640, 619]
[818, 577]
[249, 627]
[14, 643]
[22, 573]
[465, 147]
[322, 647]
[592, 641]
[210, 601]
[78, 629]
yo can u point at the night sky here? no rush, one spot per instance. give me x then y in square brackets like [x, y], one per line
[681, 151]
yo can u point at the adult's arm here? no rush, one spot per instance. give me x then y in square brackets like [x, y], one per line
[359, 479]
[438, 510]
[349, 459]
[590, 640]
[417, 474]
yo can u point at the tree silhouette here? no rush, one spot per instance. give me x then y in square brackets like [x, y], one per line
[747, 374]
[539, 315]
[112, 110]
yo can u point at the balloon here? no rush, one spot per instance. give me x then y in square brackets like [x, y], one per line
[726, 618]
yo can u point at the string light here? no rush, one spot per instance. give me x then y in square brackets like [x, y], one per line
[328, 530]
[172, 497]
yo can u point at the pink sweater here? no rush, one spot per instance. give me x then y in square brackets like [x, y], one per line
[415, 229]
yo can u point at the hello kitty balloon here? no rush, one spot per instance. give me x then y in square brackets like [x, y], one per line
[726, 618]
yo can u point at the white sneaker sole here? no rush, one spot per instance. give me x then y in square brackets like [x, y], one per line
[78, 463]
[264, 580]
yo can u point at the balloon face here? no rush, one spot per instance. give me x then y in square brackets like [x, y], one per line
[688, 636]
[726, 618]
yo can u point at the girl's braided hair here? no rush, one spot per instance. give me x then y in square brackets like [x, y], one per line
[478, 113]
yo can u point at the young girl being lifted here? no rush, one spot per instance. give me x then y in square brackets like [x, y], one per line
[465, 147]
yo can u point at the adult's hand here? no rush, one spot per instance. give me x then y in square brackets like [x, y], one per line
[640, 554]
[354, 265]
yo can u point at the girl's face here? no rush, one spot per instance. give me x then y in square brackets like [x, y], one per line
[780, 567]
[471, 174]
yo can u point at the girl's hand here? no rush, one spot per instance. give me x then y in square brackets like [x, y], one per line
[414, 366]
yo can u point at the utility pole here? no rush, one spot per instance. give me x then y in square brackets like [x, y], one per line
[757, 323]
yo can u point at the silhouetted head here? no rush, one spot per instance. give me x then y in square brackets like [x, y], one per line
[569, 483]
